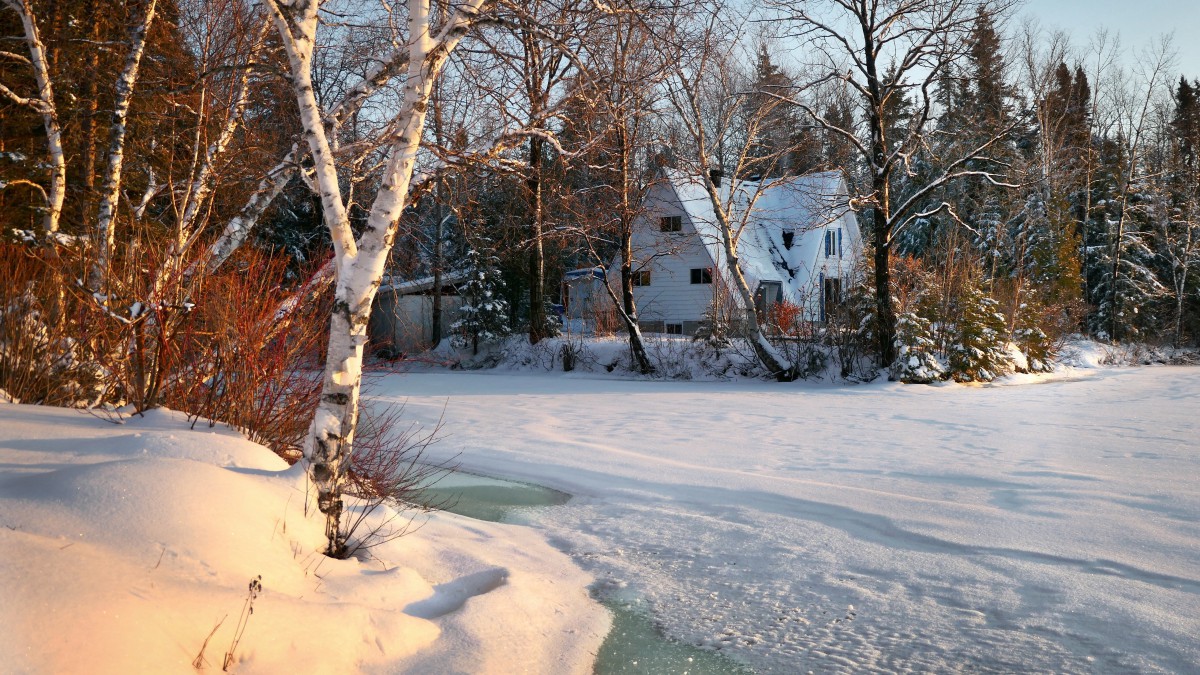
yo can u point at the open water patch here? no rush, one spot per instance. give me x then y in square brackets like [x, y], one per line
[635, 645]
[492, 499]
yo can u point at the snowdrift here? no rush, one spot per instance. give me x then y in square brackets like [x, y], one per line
[126, 545]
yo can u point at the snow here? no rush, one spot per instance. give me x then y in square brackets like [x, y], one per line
[125, 544]
[1039, 524]
[1036, 524]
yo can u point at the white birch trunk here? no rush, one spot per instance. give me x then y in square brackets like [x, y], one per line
[111, 190]
[44, 104]
[238, 228]
[297, 26]
[776, 363]
[359, 265]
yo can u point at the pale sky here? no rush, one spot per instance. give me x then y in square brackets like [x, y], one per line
[1137, 21]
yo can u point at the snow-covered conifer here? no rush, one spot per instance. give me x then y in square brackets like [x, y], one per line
[483, 317]
[1027, 335]
[978, 352]
[916, 359]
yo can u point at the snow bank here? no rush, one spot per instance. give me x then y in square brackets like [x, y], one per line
[125, 545]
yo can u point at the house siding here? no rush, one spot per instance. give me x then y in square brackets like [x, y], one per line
[671, 297]
[670, 257]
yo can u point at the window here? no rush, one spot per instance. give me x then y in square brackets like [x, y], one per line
[702, 275]
[789, 237]
[641, 278]
[674, 329]
[670, 223]
[828, 243]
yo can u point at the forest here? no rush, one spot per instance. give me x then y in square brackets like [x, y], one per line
[200, 199]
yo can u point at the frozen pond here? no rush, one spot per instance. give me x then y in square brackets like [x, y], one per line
[876, 528]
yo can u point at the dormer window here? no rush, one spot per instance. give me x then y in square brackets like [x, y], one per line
[670, 223]
[789, 237]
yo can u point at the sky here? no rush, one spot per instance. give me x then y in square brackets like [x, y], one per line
[1138, 22]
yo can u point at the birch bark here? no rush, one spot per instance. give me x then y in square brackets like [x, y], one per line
[44, 105]
[111, 190]
[360, 264]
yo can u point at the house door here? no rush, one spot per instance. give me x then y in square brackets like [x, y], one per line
[768, 293]
[831, 296]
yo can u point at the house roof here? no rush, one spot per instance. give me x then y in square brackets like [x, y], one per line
[803, 205]
[420, 285]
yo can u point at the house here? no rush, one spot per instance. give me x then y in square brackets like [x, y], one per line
[800, 244]
[402, 317]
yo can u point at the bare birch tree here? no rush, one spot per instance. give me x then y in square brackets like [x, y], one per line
[627, 65]
[723, 124]
[359, 261]
[43, 103]
[110, 190]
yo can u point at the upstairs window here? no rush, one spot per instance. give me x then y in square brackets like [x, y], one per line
[702, 275]
[641, 278]
[833, 243]
[670, 223]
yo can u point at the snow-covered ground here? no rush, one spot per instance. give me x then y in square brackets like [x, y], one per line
[1045, 525]
[1041, 524]
[123, 546]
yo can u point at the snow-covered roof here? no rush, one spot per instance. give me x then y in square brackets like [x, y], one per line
[802, 205]
[420, 285]
[585, 273]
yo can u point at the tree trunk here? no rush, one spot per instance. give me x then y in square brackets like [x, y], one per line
[438, 232]
[777, 364]
[44, 104]
[885, 314]
[360, 264]
[537, 260]
[627, 308]
[111, 190]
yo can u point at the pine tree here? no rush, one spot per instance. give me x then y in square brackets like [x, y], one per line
[916, 359]
[483, 317]
[978, 351]
[1027, 333]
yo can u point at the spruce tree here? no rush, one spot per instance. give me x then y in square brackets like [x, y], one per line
[916, 358]
[978, 353]
[483, 317]
[1027, 334]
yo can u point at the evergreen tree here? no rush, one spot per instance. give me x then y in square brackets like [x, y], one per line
[978, 351]
[483, 317]
[1028, 336]
[780, 146]
[916, 351]
[1185, 124]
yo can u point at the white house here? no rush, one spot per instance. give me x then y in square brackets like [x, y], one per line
[801, 244]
